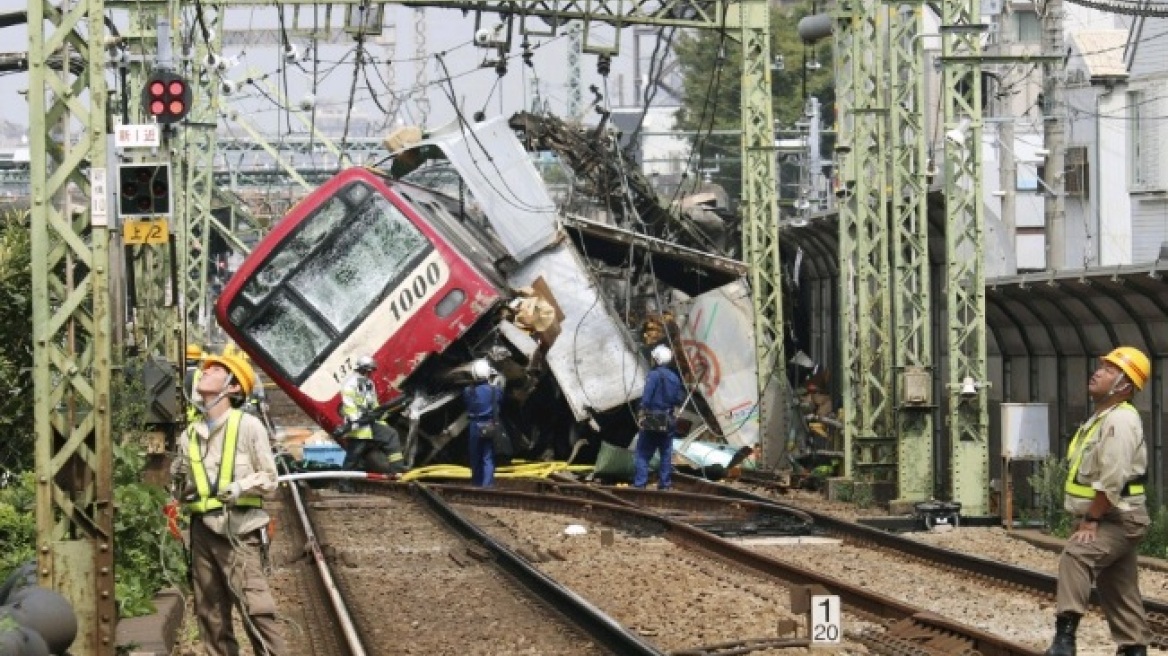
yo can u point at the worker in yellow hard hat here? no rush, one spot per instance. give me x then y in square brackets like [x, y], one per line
[221, 474]
[1105, 490]
[193, 369]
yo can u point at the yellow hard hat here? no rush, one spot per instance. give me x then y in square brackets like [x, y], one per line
[242, 371]
[194, 352]
[1132, 362]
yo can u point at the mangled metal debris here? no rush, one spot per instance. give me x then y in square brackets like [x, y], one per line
[565, 295]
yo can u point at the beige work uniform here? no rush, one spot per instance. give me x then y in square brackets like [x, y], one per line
[1113, 456]
[225, 544]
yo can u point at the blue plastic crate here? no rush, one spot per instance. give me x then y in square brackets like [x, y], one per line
[329, 454]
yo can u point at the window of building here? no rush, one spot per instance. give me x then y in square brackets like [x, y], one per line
[1143, 141]
[1027, 28]
[1076, 172]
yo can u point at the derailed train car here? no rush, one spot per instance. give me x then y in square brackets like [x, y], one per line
[420, 267]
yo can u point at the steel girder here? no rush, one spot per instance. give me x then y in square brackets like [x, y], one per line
[967, 415]
[866, 345]
[153, 322]
[910, 249]
[72, 340]
[196, 147]
[760, 219]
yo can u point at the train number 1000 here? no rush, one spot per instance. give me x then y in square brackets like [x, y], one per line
[414, 291]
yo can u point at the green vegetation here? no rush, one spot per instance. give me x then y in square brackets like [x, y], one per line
[147, 558]
[711, 66]
[1048, 482]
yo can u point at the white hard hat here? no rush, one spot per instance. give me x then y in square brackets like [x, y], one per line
[365, 364]
[661, 355]
[480, 369]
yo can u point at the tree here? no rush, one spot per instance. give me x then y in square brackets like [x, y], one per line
[711, 64]
[16, 402]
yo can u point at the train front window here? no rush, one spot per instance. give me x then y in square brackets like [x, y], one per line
[294, 250]
[353, 269]
[289, 334]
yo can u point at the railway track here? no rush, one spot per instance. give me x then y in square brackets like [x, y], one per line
[396, 573]
[974, 568]
[650, 536]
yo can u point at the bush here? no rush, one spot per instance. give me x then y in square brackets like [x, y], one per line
[17, 523]
[1049, 482]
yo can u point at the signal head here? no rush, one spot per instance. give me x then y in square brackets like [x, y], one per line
[167, 97]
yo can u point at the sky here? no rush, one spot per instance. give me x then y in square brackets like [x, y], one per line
[324, 81]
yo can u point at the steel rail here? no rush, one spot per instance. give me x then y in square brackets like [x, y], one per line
[609, 633]
[859, 600]
[976, 565]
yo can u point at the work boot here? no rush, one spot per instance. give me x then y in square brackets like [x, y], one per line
[1132, 650]
[1065, 626]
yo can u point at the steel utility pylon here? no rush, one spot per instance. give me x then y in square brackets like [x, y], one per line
[865, 343]
[910, 251]
[967, 414]
[196, 148]
[72, 353]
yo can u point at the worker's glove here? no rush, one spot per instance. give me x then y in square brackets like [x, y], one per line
[231, 494]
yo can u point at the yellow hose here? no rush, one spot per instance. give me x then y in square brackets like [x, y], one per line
[519, 469]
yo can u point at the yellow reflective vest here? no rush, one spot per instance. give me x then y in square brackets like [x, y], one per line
[358, 395]
[207, 501]
[1084, 436]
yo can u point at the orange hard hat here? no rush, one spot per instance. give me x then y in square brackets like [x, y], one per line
[1132, 362]
[194, 352]
[238, 367]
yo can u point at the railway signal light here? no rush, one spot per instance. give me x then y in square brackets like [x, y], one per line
[167, 97]
[144, 190]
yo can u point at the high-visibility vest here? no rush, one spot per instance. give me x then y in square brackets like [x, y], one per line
[1075, 455]
[207, 501]
[357, 396]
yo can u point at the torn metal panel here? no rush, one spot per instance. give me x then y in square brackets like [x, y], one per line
[718, 337]
[595, 364]
[503, 181]
[690, 270]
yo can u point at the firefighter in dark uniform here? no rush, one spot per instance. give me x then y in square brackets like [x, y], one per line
[1107, 459]
[482, 401]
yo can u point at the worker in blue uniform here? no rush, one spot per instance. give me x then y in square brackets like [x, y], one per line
[482, 401]
[662, 397]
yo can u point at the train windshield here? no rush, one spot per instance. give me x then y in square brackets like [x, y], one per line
[329, 272]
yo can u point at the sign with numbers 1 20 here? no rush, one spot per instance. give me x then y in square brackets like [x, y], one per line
[826, 628]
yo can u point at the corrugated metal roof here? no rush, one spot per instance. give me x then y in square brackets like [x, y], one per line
[1102, 51]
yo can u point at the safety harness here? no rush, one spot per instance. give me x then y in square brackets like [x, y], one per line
[1083, 436]
[207, 500]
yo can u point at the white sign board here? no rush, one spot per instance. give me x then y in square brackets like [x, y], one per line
[1025, 431]
[99, 196]
[826, 625]
[146, 135]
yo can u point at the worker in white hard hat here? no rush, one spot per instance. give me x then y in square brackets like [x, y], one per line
[482, 400]
[663, 395]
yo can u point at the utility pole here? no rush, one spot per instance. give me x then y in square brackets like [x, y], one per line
[1054, 134]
